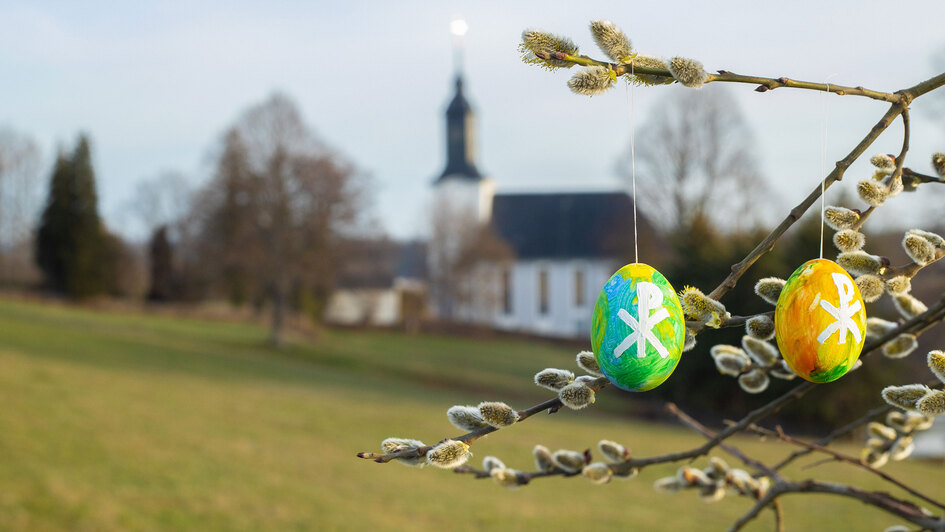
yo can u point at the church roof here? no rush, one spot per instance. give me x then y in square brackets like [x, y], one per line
[567, 225]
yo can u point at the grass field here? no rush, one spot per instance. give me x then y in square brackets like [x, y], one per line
[132, 422]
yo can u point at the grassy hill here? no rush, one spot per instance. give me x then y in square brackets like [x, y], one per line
[123, 421]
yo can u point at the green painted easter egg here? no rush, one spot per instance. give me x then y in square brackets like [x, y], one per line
[638, 330]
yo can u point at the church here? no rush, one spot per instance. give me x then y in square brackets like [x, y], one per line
[563, 246]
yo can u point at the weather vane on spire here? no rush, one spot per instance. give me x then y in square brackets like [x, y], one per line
[458, 28]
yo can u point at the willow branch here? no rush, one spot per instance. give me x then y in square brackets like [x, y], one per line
[551, 405]
[920, 178]
[780, 434]
[884, 501]
[840, 431]
[731, 321]
[764, 84]
[766, 245]
[730, 449]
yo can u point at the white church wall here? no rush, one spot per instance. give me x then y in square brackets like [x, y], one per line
[565, 316]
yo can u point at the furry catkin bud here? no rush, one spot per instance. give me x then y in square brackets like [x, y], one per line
[919, 421]
[612, 40]
[897, 420]
[933, 238]
[871, 192]
[448, 454]
[538, 41]
[687, 71]
[895, 187]
[840, 218]
[938, 162]
[691, 476]
[902, 450]
[782, 371]
[769, 289]
[712, 493]
[871, 287]
[933, 404]
[576, 396]
[588, 362]
[936, 361]
[717, 468]
[668, 485]
[741, 480]
[860, 263]
[763, 353]
[505, 477]
[628, 474]
[393, 445]
[649, 61]
[899, 284]
[729, 359]
[613, 451]
[920, 250]
[554, 379]
[465, 418]
[586, 379]
[543, 459]
[883, 161]
[598, 473]
[755, 381]
[881, 431]
[497, 414]
[849, 240]
[897, 528]
[591, 81]
[697, 306]
[877, 444]
[490, 462]
[874, 458]
[908, 306]
[568, 461]
[900, 346]
[904, 396]
[876, 327]
[690, 343]
[760, 327]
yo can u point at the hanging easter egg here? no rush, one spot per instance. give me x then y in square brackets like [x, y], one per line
[820, 321]
[638, 329]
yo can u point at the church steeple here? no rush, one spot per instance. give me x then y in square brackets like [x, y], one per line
[460, 138]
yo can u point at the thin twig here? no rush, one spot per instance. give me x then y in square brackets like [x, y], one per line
[730, 449]
[766, 245]
[779, 433]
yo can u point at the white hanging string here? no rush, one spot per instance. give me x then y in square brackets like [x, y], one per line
[823, 166]
[633, 166]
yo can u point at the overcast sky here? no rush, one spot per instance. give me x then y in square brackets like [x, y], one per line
[156, 83]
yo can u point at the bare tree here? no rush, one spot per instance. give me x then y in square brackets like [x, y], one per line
[276, 214]
[693, 151]
[19, 203]
[465, 260]
[162, 200]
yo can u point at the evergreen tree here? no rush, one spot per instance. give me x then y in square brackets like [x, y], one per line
[162, 275]
[70, 244]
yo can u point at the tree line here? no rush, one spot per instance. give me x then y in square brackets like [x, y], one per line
[269, 227]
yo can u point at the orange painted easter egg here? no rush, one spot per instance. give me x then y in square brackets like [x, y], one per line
[820, 321]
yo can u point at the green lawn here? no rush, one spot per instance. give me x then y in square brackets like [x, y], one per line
[126, 422]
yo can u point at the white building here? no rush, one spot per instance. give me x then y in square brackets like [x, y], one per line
[565, 245]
